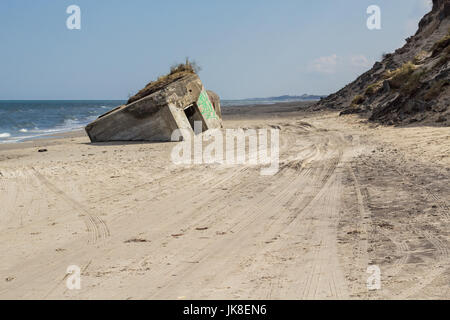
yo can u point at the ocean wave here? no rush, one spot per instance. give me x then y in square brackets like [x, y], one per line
[21, 121]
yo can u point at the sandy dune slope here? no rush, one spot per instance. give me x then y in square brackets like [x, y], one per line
[348, 195]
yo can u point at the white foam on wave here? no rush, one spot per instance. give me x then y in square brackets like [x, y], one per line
[58, 122]
[66, 126]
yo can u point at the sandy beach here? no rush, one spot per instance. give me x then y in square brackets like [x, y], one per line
[349, 195]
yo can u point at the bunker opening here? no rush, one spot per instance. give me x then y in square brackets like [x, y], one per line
[193, 115]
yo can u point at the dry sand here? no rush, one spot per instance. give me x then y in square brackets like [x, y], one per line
[348, 195]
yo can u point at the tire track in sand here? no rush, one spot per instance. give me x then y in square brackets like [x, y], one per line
[97, 228]
[233, 249]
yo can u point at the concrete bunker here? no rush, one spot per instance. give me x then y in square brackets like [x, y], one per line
[172, 102]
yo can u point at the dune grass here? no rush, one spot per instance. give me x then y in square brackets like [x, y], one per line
[359, 99]
[373, 88]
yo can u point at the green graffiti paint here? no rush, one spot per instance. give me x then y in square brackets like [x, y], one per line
[205, 106]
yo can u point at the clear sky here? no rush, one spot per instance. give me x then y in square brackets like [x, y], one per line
[246, 48]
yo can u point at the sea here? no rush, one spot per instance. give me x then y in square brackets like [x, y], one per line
[26, 120]
[33, 119]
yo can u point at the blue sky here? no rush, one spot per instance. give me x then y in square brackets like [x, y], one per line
[251, 48]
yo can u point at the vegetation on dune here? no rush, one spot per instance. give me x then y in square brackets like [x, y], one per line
[420, 57]
[373, 88]
[407, 80]
[359, 99]
[413, 83]
[398, 77]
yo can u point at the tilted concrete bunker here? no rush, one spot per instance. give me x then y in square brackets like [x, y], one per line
[154, 117]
